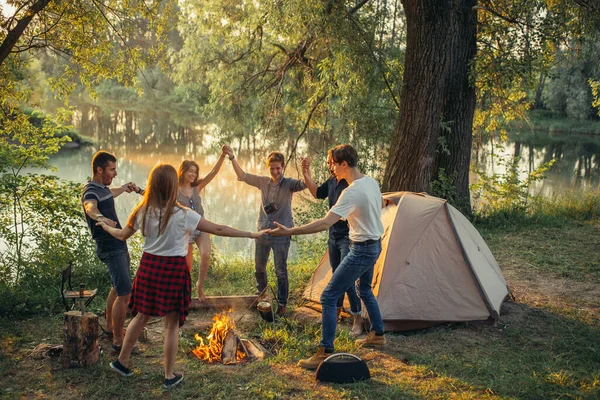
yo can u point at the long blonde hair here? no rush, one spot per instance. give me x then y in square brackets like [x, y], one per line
[161, 195]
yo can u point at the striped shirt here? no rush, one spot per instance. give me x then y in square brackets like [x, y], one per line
[106, 205]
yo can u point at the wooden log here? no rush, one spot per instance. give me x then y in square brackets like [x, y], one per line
[80, 339]
[230, 346]
[224, 302]
[255, 350]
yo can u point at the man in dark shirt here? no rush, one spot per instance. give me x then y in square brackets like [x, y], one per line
[339, 242]
[99, 205]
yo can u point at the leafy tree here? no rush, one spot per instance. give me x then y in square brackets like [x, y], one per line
[282, 71]
[568, 91]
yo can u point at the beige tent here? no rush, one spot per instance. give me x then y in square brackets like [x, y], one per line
[434, 267]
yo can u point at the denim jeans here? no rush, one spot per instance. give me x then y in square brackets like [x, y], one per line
[358, 264]
[280, 247]
[338, 249]
[118, 263]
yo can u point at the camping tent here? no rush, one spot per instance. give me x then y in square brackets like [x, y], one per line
[434, 267]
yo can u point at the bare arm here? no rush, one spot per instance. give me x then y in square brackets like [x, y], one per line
[310, 184]
[313, 227]
[236, 167]
[222, 230]
[123, 188]
[121, 234]
[211, 175]
[91, 209]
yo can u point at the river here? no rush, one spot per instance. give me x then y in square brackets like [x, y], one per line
[140, 141]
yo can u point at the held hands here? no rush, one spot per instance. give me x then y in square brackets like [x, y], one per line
[225, 150]
[281, 230]
[256, 235]
[228, 151]
[133, 188]
[305, 167]
[105, 222]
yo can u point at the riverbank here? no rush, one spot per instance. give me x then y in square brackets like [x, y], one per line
[546, 121]
[545, 345]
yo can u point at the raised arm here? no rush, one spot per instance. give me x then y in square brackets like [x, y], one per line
[236, 167]
[211, 175]
[310, 184]
[223, 230]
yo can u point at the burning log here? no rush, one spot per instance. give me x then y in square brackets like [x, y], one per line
[253, 349]
[230, 349]
[223, 343]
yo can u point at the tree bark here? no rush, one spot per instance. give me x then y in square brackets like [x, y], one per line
[454, 151]
[80, 340]
[412, 152]
[13, 36]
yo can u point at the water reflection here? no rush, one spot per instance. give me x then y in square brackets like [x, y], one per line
[141, 139]
[226, 200]
[577, 165]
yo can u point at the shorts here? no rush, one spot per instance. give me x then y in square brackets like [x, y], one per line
[118, 263]
[194, 236]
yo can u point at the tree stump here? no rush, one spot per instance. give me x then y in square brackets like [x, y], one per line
[80, 339]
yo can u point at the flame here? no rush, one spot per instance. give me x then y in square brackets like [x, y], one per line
[212, 351]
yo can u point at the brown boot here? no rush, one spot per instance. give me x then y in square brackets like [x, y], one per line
[314, 361]
[357, 326]
[371, 340]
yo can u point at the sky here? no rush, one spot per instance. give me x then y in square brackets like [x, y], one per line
[7, 9]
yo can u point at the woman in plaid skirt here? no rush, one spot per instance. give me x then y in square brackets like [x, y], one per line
[162, 285]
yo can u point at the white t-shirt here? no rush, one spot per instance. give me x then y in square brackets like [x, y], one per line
[174, 240]
[360, 204]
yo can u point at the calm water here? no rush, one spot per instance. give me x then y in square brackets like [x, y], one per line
[141, 140]
[577, 166]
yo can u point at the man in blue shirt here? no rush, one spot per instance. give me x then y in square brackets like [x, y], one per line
[338, 243]
[99, 205]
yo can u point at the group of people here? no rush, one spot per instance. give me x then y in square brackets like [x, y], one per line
[171, 219]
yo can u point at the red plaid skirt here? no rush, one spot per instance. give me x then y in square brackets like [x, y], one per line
[161, 285]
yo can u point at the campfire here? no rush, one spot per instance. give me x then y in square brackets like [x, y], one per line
[223, 344]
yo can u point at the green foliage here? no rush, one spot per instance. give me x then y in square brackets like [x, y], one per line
[507, 193]
[569, 92]
[595, 85]
[284, 70]
[445, 188]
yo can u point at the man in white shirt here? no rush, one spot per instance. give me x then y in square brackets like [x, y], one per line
[360, 204]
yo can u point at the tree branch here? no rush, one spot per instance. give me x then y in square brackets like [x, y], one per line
[357, 7]
[15, 34]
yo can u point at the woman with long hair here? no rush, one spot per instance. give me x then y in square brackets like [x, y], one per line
[188, 195]
[162, 284]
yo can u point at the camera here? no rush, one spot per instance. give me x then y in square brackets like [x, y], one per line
[270, 208]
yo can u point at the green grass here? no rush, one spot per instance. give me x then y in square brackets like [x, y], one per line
[545, 345]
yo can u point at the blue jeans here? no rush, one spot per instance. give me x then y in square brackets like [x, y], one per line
[359, 263]
[118, 263]
[338, 249]
[280, 247]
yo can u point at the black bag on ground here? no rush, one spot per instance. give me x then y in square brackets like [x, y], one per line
[342, 368]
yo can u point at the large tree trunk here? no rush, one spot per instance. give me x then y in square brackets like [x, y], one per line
[438, 98]
[454, 150]
[412, 151]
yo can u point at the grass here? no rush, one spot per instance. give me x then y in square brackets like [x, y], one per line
[545, 345]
